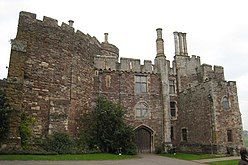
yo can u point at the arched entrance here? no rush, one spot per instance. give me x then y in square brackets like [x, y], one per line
[144, 139]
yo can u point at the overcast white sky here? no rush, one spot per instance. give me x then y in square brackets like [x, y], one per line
[217, 30]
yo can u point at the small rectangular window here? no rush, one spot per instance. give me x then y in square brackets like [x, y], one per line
[172, 133]
[229, 136]
[172, 86]
[140, 84]
[184, 135]
[173, 109]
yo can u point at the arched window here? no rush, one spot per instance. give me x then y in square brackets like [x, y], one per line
[225, 103]
[141, 110]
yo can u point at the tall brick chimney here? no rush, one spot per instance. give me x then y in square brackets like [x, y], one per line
[160, 43]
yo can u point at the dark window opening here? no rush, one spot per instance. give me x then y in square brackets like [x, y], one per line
[229, 136]
[173, 109]
[184, 135]
[172, 133]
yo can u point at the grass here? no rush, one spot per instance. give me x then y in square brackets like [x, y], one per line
[99, 156]
[191, 156]
[227, 162]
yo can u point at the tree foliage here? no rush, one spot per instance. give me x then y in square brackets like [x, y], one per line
[5, 114]
[106, 129]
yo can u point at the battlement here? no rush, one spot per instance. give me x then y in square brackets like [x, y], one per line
[28, 14]
[194, 57]
[30, 18]
[207, 72]
[125, 64]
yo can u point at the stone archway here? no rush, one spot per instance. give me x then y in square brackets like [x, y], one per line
[144, 139]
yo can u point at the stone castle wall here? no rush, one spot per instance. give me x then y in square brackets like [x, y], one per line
[201, 113]
[118, 86]
[49, 65]
[227, 119]
[194, 114]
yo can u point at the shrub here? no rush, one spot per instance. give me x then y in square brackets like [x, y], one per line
[105, 129]
[60, 143]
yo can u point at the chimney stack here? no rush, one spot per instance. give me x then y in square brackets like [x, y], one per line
[160, 43]
[180, 44]
[106, 37]
[71, 23]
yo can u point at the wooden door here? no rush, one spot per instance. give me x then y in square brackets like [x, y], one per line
[143, 140]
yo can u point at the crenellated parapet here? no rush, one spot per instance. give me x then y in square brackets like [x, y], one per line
[206, 72]
[187, 64]
[30, 18]
[125, 64]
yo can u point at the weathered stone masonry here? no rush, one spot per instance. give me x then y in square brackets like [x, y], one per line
[56, 74]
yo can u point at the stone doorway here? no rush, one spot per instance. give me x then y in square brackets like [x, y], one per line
[144, 139]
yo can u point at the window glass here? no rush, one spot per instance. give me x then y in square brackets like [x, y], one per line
[141, 110]
[225, 103]
[173, 109]
[172, 86]
[140, 84]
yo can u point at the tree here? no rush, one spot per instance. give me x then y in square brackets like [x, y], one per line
[106, 128]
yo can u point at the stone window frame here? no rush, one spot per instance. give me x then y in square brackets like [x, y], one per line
[138, 107]
[229, 134]
[225, 103]
[173, 117]
[96, 72]
[172, 85]
[182, 136]
[140, 83]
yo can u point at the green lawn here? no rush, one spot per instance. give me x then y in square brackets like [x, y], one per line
[191, 156]
[228, 162]
[99, 156]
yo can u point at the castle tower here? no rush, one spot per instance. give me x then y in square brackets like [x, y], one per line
[185, 66]
[162, 68]
[108, 49]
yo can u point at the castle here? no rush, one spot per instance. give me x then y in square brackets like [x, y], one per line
[56, 74]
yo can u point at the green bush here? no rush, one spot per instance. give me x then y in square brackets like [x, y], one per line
[60, 143]
[105, 129]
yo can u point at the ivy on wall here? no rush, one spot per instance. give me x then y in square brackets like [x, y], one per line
[5, 114]
[25, 130]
